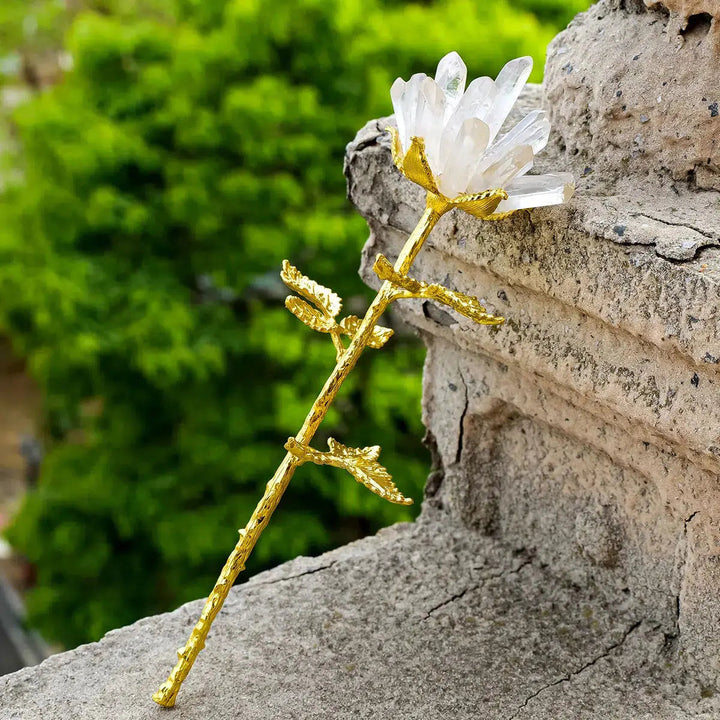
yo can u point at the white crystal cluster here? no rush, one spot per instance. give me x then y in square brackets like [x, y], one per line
[460, 129]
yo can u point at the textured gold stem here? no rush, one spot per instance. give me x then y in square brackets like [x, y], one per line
[167, 693]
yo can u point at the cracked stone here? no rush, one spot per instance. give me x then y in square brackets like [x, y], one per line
[347, 635]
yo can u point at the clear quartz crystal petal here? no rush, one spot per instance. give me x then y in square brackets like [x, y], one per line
[537, 191]
[408, 103]
[516, 162]
[460, 163]
[450, 76]
[396, 93]
[509, 83]
[475, 103]
[478, 99]
[459, 130]
[429, 118]
[532, 130]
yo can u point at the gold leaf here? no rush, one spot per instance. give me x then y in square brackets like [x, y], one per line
[361, 463]
[304, 312]
[371, 452]
[466, 305]
[380, 335]
[323, 297]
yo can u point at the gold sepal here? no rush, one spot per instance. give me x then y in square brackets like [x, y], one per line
[408, 287]
[415, 166]
[500, 215]
[361, 463]
[481, 205]
[396, 148]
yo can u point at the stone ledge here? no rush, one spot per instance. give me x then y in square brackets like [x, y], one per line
[421, 621]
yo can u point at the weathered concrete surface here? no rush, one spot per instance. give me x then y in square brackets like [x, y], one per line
[588, 426]
[635, 93]
[690, 14]
[422, 621]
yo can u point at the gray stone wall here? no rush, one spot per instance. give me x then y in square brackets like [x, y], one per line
[586, 430]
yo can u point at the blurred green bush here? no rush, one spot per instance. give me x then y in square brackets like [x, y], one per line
[194, 145]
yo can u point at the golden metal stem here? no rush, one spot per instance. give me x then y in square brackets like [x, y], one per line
[167, 693]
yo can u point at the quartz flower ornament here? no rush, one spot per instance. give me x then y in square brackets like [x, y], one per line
[447, 141]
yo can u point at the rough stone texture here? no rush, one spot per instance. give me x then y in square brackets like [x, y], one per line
[422, 621]
[686, 14]
[587, 428]
[635, 96]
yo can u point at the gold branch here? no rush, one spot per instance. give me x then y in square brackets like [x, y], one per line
[410, 288]
[361, 463]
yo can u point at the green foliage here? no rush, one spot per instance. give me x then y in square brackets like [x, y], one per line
[553, 11]
[34, 23]
[195, 145]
